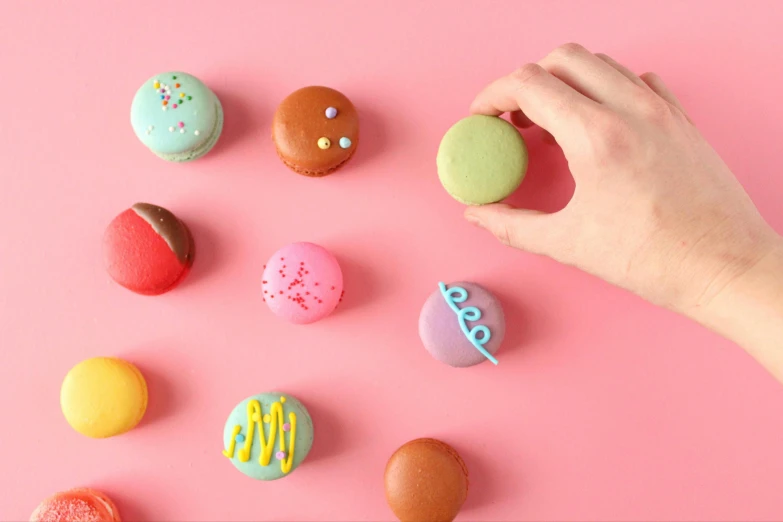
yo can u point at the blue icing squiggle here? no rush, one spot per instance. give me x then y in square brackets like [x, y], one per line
[456, 295]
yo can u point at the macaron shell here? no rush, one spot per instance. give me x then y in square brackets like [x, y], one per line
[141, 259]
[300, 121]
[442, 335]
[202, 149]
[198, 111]
[302, 283]
[80, 504]
[303, 441]
[481, 159]
[103, 397]
[426, 480]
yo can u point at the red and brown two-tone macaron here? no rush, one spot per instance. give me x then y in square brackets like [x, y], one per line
[148, 249]
[426, 480]
[315, 130]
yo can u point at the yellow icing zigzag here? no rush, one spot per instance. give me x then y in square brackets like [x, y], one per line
[276, 419]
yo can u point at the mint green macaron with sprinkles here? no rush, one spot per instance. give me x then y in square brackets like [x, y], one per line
[176, 116]
[481, 160]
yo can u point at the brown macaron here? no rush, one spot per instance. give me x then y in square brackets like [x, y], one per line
[315, 130]
[426, 481]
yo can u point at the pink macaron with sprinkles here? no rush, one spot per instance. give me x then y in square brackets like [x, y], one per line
[147, 249]
[302, 283]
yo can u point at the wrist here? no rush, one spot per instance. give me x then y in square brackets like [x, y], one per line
[748, 309]
[724, 264]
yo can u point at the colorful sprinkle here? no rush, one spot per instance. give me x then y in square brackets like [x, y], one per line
[286, 427]
[162, 96]
[240, 438]
[345, 142]
[267, 418]
[163, 90]
[331, 112]
[171, 129]
[165, 102]
[175, 106]
[181, 124]
[190, 97]
[176, 85]
[173, 77]
[280, 455]
[324, 143]
[156, 85]
[182, 95]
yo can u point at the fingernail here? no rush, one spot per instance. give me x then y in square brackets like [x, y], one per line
[474, 220]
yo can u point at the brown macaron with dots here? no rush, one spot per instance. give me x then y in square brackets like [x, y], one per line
[315, 131]
[426, 481]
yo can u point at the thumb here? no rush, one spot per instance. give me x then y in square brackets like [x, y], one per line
[519, 228]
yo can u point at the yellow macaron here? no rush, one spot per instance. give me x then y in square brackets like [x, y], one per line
[103, 396]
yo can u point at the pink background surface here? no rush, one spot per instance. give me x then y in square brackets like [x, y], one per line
[603, 407]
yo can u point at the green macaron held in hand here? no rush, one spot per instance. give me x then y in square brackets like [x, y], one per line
[481, 160]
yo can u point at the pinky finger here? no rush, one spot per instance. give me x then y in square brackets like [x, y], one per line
[656, 84]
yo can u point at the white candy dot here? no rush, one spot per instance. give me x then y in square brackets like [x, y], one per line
[165, 108]
[196, 132]
[171, 129]
[182, 131]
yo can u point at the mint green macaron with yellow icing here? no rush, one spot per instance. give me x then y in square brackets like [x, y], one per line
[267, 436]
[176, 116]
[481, 160]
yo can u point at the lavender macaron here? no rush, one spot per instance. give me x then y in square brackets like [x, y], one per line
[462, 324]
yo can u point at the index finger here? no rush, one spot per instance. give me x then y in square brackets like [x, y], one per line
[549, 102]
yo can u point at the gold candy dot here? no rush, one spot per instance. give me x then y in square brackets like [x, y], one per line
[324, 143]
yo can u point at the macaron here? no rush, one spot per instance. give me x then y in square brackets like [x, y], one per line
[302, 283]
[268, 435]
[176, 116]
[147, 249]
[315, 131]
[426, 480]
[103, 397]
[76, 505]
[462, 324]
[481, 159]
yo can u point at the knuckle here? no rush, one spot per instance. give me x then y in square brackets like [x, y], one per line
[527, 72]
[569, 49]
[649, 77]
[612, 136]
[654, 109]
[504, 234]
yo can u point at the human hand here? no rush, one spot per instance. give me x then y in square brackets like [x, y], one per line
[655, 209]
